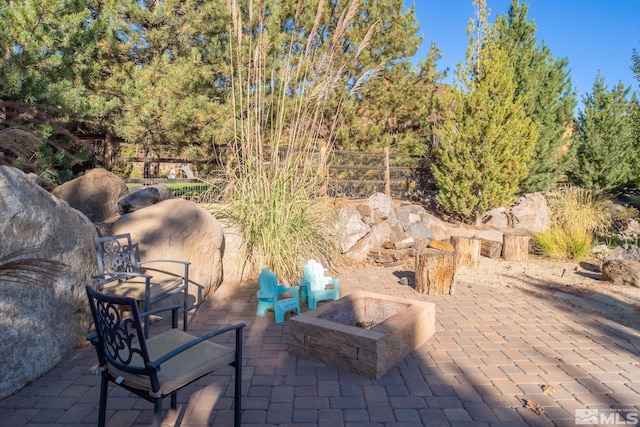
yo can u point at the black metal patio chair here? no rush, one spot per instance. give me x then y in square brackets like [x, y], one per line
[159, 366]
[123, 273]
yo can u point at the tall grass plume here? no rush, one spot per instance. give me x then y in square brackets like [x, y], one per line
[286, 112]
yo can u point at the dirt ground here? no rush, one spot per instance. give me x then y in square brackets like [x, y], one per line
[554, 279]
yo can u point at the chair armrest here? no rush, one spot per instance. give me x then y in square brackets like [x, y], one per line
[155, 363]
[288, 289]
[174, 314]
[186, 265]
[93, 338]
[263, 294]
[303, 282]
[148, 261]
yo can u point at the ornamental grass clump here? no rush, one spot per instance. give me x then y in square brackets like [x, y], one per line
[576, 216]
[286, 113]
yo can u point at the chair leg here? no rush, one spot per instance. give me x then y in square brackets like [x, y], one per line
[263, 307]
[174, 400]
[184, 310]
[146, 319]
[157, 412]
[237, 398]
[102, 411]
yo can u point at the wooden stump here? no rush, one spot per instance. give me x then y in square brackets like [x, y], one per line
[467, 250]
[435, 272]
[515, 247]
[490, 248]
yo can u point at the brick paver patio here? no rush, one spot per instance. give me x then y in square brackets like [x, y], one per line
[493, 350]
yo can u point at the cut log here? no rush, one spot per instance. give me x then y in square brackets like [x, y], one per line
[441, 245]
[490, 248]
[435, 272]
[467, 250]
[515, 247]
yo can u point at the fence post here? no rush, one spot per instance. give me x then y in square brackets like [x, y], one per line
[387, 173]
[323, 169]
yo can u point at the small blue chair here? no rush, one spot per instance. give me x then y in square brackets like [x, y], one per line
[269, 296]
[315, 286]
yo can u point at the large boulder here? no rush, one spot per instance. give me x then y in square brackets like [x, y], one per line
[237, 265]
[95, 194]
[180, 230]
[40, 323]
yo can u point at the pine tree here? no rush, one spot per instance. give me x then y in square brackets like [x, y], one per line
[49, 51]
[605, 139]
[165, 86]
[486, 139]
[550, 100]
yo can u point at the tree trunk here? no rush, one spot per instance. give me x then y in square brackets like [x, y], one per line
[490, 248]
[467, 250]
[515, 247]
[111, 147]
[435, 272]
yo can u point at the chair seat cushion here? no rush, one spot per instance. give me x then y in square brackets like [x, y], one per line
[135, 287]
[182, 369]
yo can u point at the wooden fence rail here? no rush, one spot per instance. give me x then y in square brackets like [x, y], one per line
[347, 173]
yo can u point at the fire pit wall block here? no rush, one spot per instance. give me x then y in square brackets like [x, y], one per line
[364, 332]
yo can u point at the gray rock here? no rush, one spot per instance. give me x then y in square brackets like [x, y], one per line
[40, 323]
[374, 239]
[95, 194]
[409, 214]
[352, 228]
[626, 252]
[141, 197]
[420, 230]
[382, 207]
[530, 212]
[497, 217]
[438, 227]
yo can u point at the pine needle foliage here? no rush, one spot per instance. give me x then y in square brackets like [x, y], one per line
[486, 138]
[550, 98]
[606, 146]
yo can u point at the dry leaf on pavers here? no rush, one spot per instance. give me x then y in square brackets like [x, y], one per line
[533, 406]
[548, 389]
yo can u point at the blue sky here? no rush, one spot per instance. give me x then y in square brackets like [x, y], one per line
[592, 34]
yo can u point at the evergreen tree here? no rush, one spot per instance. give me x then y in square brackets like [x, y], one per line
[605, 139]
[393, 107]
[485, 139]
[550, 100]
[164, 84]
[49, 50]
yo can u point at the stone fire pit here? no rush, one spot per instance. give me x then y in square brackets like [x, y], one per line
[363, 332]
